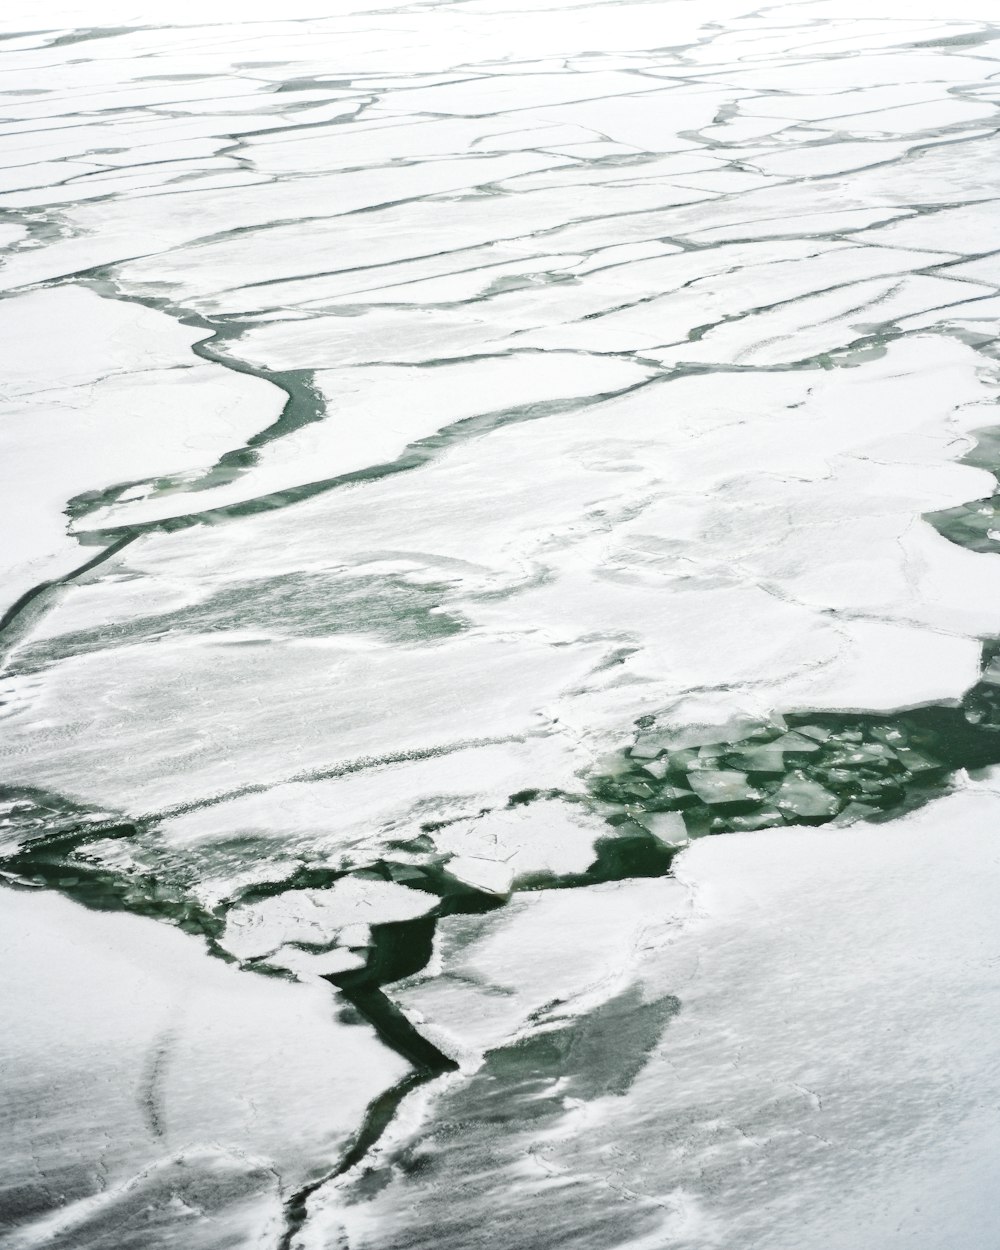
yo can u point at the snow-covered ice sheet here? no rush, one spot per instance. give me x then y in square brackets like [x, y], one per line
[454, 457]
[148, 1086]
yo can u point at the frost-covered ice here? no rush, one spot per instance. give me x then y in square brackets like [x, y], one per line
[453, 457]
[151, 1091]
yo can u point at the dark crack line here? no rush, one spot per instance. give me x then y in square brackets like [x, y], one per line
[379, 1115]
[25, 612]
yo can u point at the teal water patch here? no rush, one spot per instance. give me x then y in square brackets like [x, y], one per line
[288, 605]
[975, 525]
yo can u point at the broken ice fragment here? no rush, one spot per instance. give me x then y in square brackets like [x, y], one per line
[866, 753]
[673, 794]
[991, 673]
[698, 821]
[857, 811]
[310, 965]
[763, 818]
[493, 850]
[805, 740]
[649, 746]
[356, 936]
[723, 786]
[490, 876]
[404, 873]
[666, 827]
[317, 917]
[881, 788]
[915, 761]
[637, 787]
[760, 759]
[708, 759]
[802, 797]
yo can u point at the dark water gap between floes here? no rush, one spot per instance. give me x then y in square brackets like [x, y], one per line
[303, 405]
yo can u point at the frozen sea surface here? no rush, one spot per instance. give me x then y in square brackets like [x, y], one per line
[500, 620]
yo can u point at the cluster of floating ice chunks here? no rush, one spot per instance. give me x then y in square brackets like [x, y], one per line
[806, 773]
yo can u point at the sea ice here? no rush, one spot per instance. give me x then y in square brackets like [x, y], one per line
[821, 1084]
[96, 393]
[152, 1092]
[454, 459]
